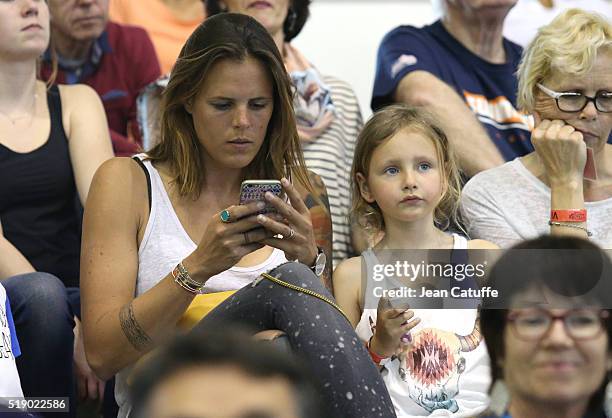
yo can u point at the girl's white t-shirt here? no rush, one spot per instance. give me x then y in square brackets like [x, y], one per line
[436, 376]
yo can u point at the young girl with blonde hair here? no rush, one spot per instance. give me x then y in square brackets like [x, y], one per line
[407, 186]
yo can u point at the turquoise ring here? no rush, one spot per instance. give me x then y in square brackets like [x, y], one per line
[225, 216]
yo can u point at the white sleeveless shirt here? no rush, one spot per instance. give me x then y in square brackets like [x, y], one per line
[435, 377]
[164, 244]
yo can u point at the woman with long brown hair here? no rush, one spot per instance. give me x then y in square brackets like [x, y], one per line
[157, 234]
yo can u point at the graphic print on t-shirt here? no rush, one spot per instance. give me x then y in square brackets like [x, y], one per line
[498, 112]
[431, 366]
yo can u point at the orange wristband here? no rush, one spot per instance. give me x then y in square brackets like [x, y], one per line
[375, 357]
[568, 215]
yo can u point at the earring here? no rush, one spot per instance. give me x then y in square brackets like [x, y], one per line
[222, 7]
[290, 20]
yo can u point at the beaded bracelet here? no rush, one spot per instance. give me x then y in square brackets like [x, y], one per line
[589, 233]
[183, 279]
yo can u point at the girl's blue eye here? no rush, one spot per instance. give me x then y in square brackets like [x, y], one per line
[424, 166]
[391, 171]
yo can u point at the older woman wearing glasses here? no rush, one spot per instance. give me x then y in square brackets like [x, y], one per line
[565, 186]
[554, 358]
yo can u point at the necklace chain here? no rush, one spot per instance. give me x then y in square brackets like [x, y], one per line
[32, 112]
[13, 119]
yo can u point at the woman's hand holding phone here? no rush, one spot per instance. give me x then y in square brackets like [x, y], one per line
[298, 240]
[224, 243]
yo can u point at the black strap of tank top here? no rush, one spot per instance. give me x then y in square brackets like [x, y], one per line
[148, 176]
[54, 102]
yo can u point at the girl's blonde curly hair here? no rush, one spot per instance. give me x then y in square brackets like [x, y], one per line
[381, 127]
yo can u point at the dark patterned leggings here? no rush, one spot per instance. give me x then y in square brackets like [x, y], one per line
[319, 335]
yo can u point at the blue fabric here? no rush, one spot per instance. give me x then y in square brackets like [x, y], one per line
[74, 75]
[44, 321]
[488, 89]
[11, 325]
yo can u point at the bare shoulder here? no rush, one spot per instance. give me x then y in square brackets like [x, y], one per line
[318, 196]
[125, 166]
[314, 177]
[481, 244]
[347, 287]
[315, 180]
[349, 270]
[82, 112]
[74, 95]
[121, 175]
[318, 185]
[119, 188]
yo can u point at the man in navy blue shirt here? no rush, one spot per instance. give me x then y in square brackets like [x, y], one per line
[463, 70]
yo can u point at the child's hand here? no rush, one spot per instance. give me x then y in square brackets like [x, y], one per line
[391, 325]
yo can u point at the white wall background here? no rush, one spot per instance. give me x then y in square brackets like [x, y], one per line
[341, 37]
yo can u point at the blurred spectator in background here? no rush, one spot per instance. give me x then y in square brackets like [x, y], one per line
[462, 69]
[528, 16]
[326, 108]
[168, 22]
[117, 61]
[52, 140]
[225, 373]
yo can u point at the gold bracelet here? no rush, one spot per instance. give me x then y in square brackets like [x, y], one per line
[589, 233]
[183, 279]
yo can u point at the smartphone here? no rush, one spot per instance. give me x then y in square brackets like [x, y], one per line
[254, 191]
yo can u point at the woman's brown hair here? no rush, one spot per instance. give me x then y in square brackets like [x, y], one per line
[235, 37]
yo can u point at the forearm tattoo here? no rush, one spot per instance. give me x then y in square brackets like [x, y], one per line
[318, 205]
[132, 329]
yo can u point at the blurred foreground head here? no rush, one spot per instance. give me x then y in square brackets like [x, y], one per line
[224, 373]
[550, 344]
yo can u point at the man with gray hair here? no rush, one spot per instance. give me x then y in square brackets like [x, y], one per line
[117, 61]
[461, 68]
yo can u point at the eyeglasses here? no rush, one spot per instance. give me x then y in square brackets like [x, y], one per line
[580, 324]
[574, 102]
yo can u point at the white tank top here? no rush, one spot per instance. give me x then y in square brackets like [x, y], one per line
[435, 377]
[164, 244]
